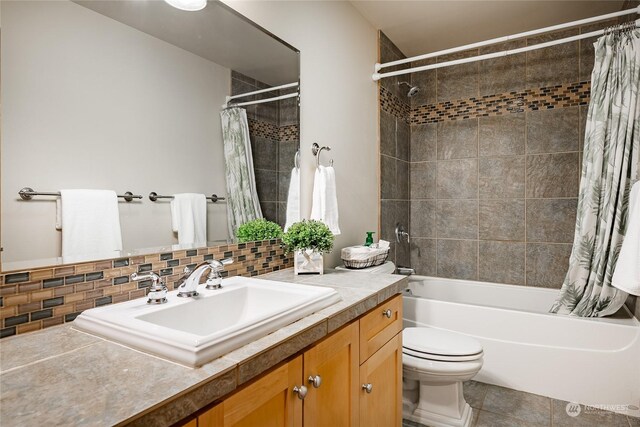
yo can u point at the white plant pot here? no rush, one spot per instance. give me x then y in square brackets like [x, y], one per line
[307, 262]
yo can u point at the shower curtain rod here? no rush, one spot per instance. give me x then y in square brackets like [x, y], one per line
[255, 92]
[261, 101]
[377, 75]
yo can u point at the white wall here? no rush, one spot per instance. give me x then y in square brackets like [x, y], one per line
[338, 101]
[91, 103]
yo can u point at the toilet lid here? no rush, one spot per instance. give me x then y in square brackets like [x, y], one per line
[439, 342]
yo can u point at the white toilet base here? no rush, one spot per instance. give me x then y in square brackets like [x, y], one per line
[438, 405]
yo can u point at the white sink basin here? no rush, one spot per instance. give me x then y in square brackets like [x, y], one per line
[194, 331]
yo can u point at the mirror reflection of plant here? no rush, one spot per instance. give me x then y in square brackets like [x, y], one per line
[258, 229]
[308, 235]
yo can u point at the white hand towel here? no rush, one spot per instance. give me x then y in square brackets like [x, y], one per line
[325, 201]
[626, 275]
[90, 223]
[293, 199]
[58, 214]
[189, 218]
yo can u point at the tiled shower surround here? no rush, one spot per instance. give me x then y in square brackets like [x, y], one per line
[274, 134]
[483, 164]
[38, 298]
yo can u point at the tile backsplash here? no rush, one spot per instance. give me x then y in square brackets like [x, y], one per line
[38, 298]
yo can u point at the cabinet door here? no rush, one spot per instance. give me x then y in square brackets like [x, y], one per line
[335, 402]
[268, 402]
[381, 386]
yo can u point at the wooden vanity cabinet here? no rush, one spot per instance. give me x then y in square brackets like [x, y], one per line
[360, 381]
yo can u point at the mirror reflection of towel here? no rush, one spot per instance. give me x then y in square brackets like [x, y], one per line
[293, 199]
[189, 218]
[90, 222]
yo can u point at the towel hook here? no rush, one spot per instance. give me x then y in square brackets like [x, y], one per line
[316, 150]
[296, 160]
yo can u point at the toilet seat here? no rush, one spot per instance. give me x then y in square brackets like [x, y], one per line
[440, 357]
[438, 344]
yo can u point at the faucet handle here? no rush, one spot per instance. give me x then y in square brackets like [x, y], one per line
[214, 278]
[157, 291]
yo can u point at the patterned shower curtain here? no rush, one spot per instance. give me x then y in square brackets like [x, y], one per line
[609, 168]
[242, 198]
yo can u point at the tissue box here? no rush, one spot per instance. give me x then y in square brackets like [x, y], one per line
[358, 257]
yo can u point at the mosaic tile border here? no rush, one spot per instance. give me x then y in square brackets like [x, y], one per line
[35, 299]
[262, 129]
[389, 103]
[546, 98]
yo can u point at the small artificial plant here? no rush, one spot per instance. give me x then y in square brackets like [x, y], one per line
[258, 229]
[308, 235]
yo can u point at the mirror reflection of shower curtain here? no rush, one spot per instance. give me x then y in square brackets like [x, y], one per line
[242, 197]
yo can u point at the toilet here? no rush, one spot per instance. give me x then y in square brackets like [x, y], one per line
[435, 363]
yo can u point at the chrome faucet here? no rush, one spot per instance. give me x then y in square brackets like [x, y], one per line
[158, 291]
[188, 284]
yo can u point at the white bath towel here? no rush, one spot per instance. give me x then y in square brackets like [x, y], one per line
[325, 201]
[90, 223]
[189, 218]
[626, 276]
[293, 199]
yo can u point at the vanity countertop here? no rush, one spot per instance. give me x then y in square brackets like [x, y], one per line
[60, 376]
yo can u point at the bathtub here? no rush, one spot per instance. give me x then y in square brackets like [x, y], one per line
[589, 361]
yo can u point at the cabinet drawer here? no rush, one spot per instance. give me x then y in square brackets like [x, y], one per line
[377, 328]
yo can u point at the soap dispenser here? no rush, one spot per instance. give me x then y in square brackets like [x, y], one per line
[369, 240]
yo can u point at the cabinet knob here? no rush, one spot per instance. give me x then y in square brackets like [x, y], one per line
[367, 387]
[387, 313]
[315, 381]
[300, 391]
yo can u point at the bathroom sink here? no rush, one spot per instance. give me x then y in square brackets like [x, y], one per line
[194, 331]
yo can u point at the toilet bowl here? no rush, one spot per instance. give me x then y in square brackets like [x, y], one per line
[435, 363]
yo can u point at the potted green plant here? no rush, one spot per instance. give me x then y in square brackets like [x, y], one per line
[308, 240]
[258, 229]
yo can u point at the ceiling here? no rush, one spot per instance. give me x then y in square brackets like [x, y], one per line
[215, 33]
[418, 27]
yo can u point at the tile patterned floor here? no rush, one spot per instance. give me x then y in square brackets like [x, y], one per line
[495, 406]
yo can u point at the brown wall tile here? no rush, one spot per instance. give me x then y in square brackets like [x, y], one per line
[502, 262]
[506, 74]
[457, 219]
[501, 177]
[502, 135]
[551, 220]
[457, 259]
[423, 180]
[552, 65]
[458, 81]
[423, 142]
[502, 219]
[423, 256]
[550, 131]
[458, 139]
[457, 179]
[547, 264]
[423, 218]
[552, 175]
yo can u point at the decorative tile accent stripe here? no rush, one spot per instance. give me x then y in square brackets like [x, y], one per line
[36, 299]
[263, 129]
[389, 103]
[270, 131]
[546, 98]
[290, 133]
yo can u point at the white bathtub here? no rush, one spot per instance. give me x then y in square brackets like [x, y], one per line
[588, 361]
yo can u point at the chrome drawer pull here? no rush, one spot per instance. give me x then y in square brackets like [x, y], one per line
[367, 387]
[387, 313]
[300, 391]
[315, 381]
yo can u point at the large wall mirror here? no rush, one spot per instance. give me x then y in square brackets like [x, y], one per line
[127, 96]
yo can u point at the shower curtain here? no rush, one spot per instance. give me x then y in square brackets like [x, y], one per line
[609, 168]
[242, 198]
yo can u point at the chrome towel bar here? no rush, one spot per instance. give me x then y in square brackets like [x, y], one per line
[153, 196]
[27, 193]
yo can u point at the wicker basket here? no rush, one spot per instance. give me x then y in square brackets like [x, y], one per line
[369, 262]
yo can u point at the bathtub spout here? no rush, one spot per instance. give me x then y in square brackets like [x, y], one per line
[406, 271]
